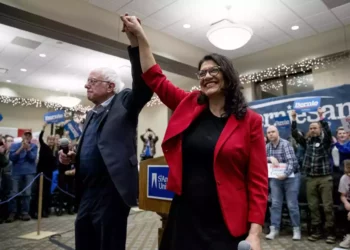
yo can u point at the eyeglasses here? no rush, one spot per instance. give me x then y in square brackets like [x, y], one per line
[212, 71]
[93, 81]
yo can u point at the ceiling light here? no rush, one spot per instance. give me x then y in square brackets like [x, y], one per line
[8, 80]
[42, 55]
[187, 26]
[295, 27]
[227, 35]
[24, 70]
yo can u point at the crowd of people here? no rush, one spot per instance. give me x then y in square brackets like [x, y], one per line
[322, 160]
[20, 163]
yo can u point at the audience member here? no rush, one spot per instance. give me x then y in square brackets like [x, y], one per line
[319, 175]
[344, 190]
[280, 151]
[23, 156]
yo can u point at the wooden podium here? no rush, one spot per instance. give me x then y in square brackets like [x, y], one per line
[161, 207]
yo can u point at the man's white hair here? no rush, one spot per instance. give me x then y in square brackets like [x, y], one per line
[111, 75]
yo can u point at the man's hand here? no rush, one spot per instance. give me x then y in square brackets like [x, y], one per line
[294, 115]
[349, 216]
[274, 161]
[320, 112]
[25, 145]
[132, 25]
[66, 159]
[2, 149]
[282, 177]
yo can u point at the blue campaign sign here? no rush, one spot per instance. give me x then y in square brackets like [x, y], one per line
[157, 179]
[54, 117]
[310, 104]
[1, 117]
[335, 103]
[283, 125]
[73, 128]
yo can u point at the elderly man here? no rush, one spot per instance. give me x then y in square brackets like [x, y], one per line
[319, 185]
[106, 161]
[280, 151]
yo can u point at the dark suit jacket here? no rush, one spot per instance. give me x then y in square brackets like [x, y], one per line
[117, 134]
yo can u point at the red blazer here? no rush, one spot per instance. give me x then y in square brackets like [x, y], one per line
[240, 163]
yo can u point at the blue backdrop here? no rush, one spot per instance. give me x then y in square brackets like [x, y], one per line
[334, 101]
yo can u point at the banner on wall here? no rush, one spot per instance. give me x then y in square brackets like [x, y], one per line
[334, 101]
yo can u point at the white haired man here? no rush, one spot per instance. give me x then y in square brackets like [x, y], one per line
[106, 162]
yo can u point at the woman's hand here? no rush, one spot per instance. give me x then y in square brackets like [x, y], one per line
[254, 241]
[132, 25]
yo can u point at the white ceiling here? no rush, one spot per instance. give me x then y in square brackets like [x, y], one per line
[65, 67]
[271, 20]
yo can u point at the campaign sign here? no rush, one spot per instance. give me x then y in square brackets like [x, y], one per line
[345, 122]
[54, 117]
[276, 171]
[307, 105]
[157, 179]
[1, 117]
[283, 125]
[73, 128]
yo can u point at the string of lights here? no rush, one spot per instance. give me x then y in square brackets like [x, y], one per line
[288, 71]
[28, 102]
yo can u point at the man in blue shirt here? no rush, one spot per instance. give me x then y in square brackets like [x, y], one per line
[23, 156]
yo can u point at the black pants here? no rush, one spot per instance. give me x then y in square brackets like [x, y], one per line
[101, 223]
[66, 183]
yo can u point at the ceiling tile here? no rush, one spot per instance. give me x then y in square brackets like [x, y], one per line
[282, 16]
[321, 19]
[144, 8]
[295, 3]
[309, 8]
[303, 31]
[110, 5]
[170, 14]
[346, 21]
[11, 55]
[328, 26]
[335, 3]
[342, 11]
[279, 40]
[154, 24]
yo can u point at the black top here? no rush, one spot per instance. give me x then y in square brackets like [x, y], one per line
[47, 158]
[195, 218]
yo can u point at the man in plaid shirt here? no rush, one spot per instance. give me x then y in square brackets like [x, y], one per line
[318, 170]
[280, 151]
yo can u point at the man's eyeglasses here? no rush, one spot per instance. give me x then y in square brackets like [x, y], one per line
[93, 81]
[212, 71]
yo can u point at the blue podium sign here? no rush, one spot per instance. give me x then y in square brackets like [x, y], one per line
[157, 179]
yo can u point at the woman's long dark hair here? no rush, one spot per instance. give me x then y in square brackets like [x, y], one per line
[234, 100]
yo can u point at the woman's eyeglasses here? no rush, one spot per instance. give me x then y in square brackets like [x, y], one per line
[212, 71]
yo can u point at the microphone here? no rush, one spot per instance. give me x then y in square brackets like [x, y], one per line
[244, 245]
[64, 143]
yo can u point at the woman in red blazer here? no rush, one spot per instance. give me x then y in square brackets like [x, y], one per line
[215, 150]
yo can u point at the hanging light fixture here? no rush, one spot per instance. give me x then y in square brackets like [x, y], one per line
[227, 35]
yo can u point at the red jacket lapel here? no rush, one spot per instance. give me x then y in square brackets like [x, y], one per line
[181, 120]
